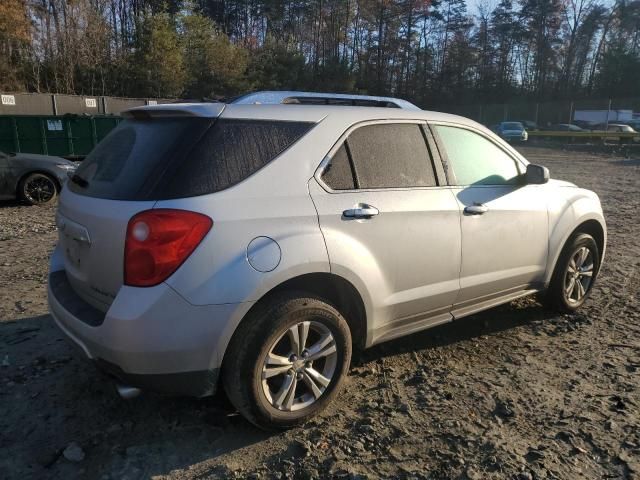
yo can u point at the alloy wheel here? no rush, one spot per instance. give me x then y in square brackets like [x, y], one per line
[299, 366]
[39, 189]
[578, 276]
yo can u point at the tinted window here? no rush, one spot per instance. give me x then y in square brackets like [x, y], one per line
[122, 164]
[512, 126]
[475, 160]
[163, 158]
[337, 174]
[391, 155]
[228, 153]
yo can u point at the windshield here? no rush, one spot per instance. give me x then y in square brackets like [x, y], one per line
[512, 126]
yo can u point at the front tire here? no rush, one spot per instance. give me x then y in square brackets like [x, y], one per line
[574, 274]
[287, 361]
[38, 189]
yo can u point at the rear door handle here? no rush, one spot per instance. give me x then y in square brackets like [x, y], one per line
[476, 209]
[361, 210]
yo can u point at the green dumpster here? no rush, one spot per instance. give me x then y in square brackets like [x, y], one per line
[70, 136]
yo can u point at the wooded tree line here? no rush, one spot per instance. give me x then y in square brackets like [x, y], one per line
[432, 52]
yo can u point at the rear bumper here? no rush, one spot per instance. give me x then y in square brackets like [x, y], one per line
[152, 338]
[195, 384]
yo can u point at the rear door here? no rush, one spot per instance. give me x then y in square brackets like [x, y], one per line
[389, 223]
[504, 222]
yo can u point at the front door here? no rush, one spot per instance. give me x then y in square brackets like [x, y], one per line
[389, 226]
[503, 221]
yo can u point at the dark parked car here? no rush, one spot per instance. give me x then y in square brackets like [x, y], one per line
[35, 179]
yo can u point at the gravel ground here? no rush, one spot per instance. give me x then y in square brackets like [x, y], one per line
[514, 392]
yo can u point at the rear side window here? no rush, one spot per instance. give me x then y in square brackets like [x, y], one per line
[164, 158]
[391, 156]
[229, 152]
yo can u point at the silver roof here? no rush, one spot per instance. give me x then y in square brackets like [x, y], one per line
[277, 97]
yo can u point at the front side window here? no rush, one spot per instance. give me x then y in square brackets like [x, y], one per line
[475, 160]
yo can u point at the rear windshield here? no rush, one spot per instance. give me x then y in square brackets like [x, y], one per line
[165, 158]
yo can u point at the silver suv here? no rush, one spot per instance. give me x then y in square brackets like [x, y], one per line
[254, 244]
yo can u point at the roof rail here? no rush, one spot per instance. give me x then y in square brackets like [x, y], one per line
[317, 98]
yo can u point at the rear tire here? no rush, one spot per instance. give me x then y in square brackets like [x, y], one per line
[574, 274]
[38, 189]
[276, 381]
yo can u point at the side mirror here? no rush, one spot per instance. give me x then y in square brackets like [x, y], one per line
[536, 174]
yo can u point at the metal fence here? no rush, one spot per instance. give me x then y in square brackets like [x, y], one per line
[542, 113]
[54, 104]
[549, 113]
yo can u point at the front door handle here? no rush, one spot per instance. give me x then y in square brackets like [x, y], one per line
[476, 209]
[361, 210]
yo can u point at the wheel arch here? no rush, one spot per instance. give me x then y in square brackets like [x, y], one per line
[335, 289]
[592, 226]
[595, 229]
[338, 291]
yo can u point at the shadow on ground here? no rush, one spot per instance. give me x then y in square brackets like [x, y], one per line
[489, 322]
[12, 204]
[63, 398]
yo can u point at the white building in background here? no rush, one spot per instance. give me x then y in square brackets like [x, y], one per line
[603, 116]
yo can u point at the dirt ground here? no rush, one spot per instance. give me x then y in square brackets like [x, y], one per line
[514, 392]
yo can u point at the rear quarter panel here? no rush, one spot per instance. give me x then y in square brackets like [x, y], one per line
[218, 271]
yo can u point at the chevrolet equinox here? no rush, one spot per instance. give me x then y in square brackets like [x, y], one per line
[253, 244]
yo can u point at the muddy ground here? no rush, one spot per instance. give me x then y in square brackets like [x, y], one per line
[515, 392]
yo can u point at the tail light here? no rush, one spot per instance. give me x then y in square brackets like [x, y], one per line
[158, 242]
